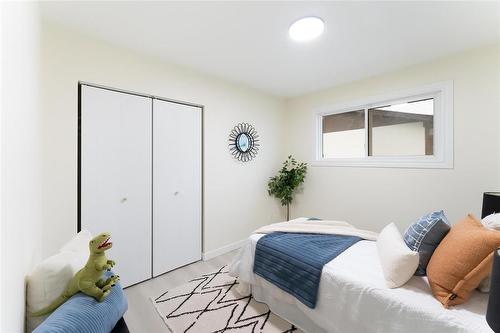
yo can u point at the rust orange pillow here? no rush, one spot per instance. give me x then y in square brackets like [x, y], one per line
[462, 259]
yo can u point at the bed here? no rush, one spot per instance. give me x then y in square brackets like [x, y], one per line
[353, 297]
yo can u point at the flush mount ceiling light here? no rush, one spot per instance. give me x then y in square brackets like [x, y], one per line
[306, 29]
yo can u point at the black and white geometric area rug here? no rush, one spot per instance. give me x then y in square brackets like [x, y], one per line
[209, 304]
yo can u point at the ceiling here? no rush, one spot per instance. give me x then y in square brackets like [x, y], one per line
[247, 42]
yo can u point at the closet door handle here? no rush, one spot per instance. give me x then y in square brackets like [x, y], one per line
[123, 200]
[176, 193]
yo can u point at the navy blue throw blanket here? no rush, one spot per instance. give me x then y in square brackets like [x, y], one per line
[294, 261]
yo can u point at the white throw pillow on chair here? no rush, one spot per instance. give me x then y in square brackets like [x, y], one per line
[398, 262]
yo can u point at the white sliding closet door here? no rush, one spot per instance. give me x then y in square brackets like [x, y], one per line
[176, 185]
[116, 175]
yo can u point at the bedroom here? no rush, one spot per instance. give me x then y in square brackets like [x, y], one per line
[427, 72]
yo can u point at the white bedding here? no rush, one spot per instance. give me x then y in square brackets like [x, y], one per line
[304, 225]
[353, 298]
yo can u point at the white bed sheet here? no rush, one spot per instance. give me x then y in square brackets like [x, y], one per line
[352, 297]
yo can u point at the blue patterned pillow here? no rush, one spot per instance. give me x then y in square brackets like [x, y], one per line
[425, 235]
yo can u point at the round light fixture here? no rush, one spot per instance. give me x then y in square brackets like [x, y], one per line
[306, 29]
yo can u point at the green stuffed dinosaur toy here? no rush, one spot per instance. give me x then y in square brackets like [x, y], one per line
[88, 279]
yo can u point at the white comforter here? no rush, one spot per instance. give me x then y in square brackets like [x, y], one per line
[353, 298]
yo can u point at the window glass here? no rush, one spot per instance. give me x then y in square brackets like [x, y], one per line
[344, 135]
[405, 129]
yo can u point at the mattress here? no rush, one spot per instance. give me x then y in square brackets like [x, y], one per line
[353, 297]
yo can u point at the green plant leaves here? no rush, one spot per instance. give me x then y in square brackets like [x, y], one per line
[288, 179]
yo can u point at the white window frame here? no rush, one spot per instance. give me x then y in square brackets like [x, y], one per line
[443, 130]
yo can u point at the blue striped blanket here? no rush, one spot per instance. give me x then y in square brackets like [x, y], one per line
[294, 261]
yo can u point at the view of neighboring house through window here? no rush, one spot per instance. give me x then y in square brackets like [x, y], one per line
[412, 129]
[404, 129]
[344, 134]
[399, 129]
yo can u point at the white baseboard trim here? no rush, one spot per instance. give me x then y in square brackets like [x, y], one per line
[222, 250]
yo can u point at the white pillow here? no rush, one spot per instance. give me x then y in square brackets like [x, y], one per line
[50, 277]
[78, 243]
[484, 286]
[492, 221]
[398, 262]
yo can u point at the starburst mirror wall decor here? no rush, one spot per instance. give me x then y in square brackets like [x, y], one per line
[244, 142]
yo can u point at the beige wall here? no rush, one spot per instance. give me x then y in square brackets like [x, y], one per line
[373, 197]
[236, 201]
[20, 158]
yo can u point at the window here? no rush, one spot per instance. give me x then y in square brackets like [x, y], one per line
[401, 129]
[344, 134]
[413, 129]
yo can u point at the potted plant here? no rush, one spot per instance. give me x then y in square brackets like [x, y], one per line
[288, 179]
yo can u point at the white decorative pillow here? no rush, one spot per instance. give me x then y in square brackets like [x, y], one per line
[484, 286]
[50, 277]
[492, 221]
[78, 243]
[398, 262]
